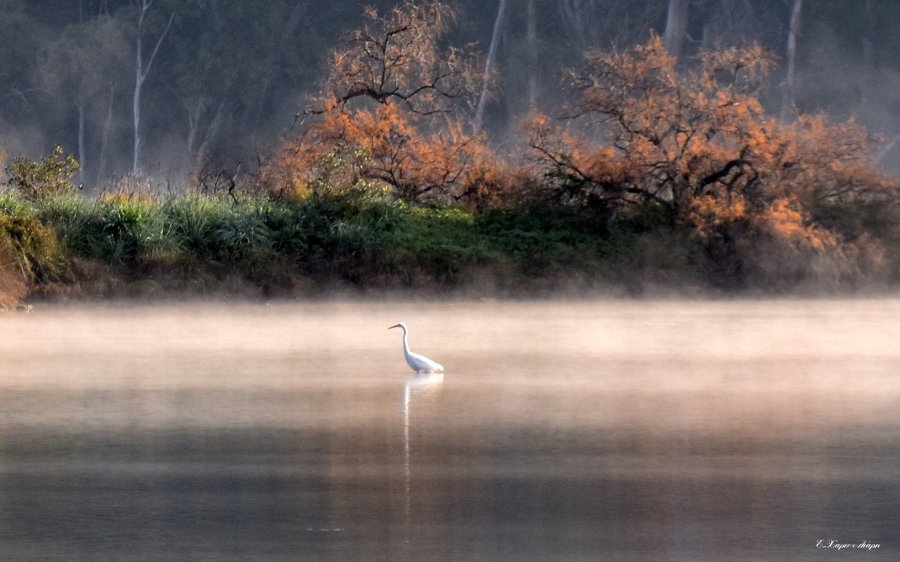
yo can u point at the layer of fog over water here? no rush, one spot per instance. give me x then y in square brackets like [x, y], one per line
[561, 431]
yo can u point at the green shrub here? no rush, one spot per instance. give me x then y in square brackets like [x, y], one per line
[49, 176]
[37, 253]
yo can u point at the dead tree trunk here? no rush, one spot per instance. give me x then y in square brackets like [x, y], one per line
[141, 69]
[104, 139]
[82, 149]
[492, 53]
[531, 36]
[676, 26]
[788, 102]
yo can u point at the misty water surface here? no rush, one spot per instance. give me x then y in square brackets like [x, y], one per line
[561, 431]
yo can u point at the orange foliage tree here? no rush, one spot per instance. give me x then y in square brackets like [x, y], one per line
[393, 111]
[697, 145]
[641, 132]
[668, 137]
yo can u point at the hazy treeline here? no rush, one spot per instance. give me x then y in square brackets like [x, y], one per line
[665, 145]
[220, 82]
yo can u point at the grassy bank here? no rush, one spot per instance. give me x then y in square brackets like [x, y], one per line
[688, 186]
[65, 245]
[117, 245]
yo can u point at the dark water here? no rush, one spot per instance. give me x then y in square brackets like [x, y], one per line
[561, 431]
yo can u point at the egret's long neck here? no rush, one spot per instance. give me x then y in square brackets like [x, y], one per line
[405, 343]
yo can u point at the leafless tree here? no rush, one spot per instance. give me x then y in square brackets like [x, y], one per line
[400, 57]
[141, 70]
[492, 54]
[676, 26]
[532, 39]
[788, 105]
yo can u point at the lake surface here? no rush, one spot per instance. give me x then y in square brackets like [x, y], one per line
[598, 430]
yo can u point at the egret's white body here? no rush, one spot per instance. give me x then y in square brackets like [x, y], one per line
[416, 362]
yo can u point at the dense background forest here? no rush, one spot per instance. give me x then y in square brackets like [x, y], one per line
[229, 77]
[508, 146]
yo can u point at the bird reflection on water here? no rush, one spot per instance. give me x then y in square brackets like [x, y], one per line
[421, 392]
[421, 389]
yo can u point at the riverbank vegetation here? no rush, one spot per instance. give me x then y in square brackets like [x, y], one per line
[655, 176]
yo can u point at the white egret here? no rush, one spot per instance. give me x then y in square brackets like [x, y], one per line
[418, 363]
